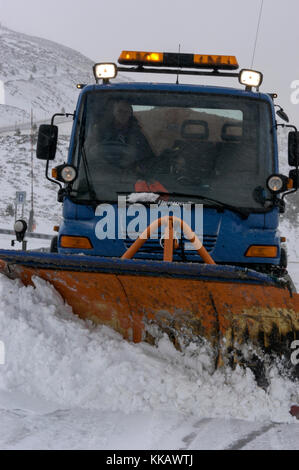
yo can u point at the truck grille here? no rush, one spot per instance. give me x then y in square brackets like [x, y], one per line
[153, 246]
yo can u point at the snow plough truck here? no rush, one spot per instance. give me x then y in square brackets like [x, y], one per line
[171, 198]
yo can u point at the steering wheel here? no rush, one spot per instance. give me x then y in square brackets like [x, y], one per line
[118, 153]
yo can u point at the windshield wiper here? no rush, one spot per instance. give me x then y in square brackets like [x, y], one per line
[82, 152]
[241, 212]
[244, 214]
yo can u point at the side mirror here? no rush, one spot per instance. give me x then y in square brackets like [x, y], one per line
[294, 175]
[282, 115]
[294, 148]
[47, 142]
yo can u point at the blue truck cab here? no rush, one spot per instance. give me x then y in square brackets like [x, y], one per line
[205, 153]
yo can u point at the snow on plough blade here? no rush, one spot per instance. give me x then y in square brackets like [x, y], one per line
[227, 306]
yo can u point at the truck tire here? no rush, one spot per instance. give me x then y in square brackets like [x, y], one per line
[54, 245]
[283, 258]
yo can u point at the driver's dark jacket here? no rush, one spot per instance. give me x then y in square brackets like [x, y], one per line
[132, 135]
[106, 169]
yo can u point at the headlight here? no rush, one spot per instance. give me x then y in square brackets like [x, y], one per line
[68, 174]
[20, 226]
[65, 173]
[277, 183]
[251, 78]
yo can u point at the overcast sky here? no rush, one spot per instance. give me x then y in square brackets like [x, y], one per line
[101, 29]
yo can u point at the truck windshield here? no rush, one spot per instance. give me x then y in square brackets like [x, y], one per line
[216, 146]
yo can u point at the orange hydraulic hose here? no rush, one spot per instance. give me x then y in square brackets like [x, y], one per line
[188, 232]
[168, 241]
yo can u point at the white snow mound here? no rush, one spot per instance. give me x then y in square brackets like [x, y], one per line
[53, 355]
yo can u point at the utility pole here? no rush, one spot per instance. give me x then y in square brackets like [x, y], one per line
[31, 224]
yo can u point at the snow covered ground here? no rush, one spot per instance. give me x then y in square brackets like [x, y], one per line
[67, 384]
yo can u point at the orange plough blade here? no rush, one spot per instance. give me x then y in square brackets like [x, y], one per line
[226, 306]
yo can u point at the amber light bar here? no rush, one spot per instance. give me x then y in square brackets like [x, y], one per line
[174, 59]
[221, 62]
[141, 58]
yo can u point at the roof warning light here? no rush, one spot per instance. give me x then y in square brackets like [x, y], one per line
[174, 59]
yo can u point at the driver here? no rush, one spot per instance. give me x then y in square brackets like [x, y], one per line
[121, 126]
[130, 154]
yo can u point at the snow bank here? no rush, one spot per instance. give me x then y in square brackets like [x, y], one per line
[53, 355]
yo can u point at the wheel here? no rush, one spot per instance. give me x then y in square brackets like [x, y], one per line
[283, 258]
[54, 245]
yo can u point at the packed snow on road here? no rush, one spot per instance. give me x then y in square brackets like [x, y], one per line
[66, 383]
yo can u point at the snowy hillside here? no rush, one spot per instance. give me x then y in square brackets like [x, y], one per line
[12, 115]
[39, 74]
